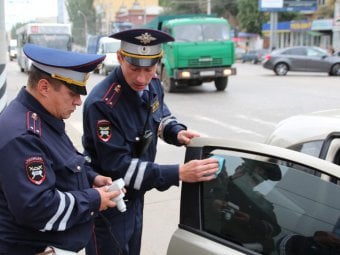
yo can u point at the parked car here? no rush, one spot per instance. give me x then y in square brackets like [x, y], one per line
[12, 49]
[254, 56]
[239, 52]
[302, 59]
[309, 133]
[266, 199]
[108, 46]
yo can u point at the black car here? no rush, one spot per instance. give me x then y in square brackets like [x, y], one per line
[302, 59]
[254, 56]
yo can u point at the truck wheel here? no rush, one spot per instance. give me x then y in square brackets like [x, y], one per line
[168, 83]
[221, 83]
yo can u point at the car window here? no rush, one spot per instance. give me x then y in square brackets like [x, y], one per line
[269, 205]
[312, 52]
[295, 51]
[312, 148]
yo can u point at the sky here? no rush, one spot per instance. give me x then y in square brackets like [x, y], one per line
[26, 10]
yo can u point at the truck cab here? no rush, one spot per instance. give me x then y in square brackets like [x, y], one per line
[202, 51]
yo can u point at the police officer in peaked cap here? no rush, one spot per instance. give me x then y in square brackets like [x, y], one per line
[47, 199]
[123, 117]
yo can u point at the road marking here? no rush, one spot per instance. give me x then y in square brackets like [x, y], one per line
[273, 124]
[228, 126]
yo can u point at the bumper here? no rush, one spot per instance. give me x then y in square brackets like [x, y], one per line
[206, 73]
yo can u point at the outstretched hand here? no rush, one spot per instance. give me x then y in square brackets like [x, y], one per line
[198, 170]
[185, 136]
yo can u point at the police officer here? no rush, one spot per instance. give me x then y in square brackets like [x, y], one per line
[46, 199]
[123, 117]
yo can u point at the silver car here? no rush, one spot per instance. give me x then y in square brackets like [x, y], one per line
[302, 59]
[266, 199]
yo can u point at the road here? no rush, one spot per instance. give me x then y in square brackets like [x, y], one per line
[254, 102]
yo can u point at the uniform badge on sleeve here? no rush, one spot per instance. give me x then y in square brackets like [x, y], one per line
[35, 169]
[104, 131]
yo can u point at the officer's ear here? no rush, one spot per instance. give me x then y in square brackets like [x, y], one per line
[43, 87]
[119, 57]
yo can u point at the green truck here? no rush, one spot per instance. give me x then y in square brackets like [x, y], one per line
[202, 51]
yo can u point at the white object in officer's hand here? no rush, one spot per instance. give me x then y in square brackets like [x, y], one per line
[119, 185]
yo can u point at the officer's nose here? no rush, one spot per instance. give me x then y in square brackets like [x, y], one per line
[77, 100]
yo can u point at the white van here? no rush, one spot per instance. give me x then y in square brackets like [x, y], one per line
[12, 49]
[108, 46]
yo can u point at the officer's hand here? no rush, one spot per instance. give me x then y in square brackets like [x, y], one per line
[106, 196]
[198, 170]
[185, 136]
[101, 180]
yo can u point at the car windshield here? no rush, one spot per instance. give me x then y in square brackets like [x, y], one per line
[57, 41]
[259, 203]
[201, 32]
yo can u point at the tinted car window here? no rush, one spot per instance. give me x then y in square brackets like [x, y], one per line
[295, 51]
[260, 204]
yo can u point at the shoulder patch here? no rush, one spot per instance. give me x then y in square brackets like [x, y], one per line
[104, 130]
[35, 170]
[112, 95]
[33, 123]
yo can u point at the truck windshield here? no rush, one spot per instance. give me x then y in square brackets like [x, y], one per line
[56, 41]
[201, 32]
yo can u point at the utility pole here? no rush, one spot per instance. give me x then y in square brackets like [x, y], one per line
[336, 27]
[273, 30]
[3, 54]
[85, 23]
[208, 7]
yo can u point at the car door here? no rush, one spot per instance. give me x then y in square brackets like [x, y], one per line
[297, 58]
[265, 200]
[317, 61]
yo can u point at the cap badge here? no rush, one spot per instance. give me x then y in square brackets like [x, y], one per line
[144, 50]
[145, 38]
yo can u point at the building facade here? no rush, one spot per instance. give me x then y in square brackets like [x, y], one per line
[109, 11]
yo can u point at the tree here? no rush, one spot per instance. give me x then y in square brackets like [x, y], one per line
[78, 11]
[249, 17]
[326, 11]
[14, 29]
[227, 9]
[183, 6]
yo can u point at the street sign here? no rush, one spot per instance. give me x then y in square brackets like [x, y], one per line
[287, 5]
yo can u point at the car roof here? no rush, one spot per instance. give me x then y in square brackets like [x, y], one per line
[305, 127]
[108, 39]
[298, 47]
[267, 149]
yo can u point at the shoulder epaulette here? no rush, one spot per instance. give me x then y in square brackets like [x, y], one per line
[33, 123]
[112, 95]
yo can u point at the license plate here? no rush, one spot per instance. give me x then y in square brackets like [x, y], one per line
[207, 73]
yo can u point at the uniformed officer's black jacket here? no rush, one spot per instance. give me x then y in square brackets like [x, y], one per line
[45, 194]
[114, 116]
